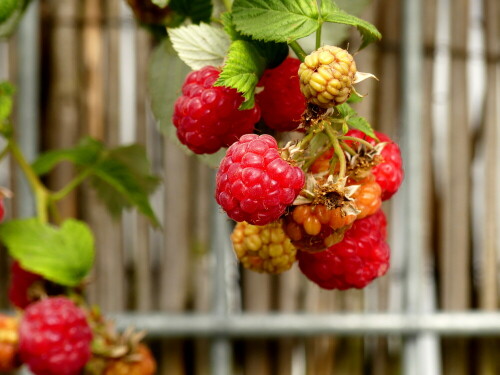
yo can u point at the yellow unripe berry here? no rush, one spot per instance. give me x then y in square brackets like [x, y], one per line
[263, 248]
[326, 76]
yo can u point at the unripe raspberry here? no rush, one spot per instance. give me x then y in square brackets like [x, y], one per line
[263, 248]
[254, 183]
[368, 197]
[326, 76]
[207, 118]
[314, 228]
[360, 257]
[281, 101]
[9, 339]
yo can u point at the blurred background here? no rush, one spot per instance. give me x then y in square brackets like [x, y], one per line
[81, 68]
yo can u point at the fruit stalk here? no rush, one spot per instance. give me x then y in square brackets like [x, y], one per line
[337, 149]
[301, 54]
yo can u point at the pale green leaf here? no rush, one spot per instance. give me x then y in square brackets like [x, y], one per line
[160, 3]
[200, 45]
[63, 255]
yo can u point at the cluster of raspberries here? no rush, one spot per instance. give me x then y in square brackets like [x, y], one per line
[323, 209]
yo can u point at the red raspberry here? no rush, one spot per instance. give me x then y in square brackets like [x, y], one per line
[254, 183]
[55, 337]
[281, 101]
[389, 173]
[360, 257]
[20, 282]
[207, 117]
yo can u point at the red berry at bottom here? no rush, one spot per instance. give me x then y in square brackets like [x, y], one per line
[253, 183]
[360, 257]
[207, 118]
[55, 337]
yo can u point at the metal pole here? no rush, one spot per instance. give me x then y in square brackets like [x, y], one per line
[413, 189]
[221, 347]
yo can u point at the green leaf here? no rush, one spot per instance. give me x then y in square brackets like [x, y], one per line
[363, 125]
[160, 3]
[63, 255]
[355, 121]
[122, 176]
[200, 45]
[85, 154]
[276, 20]
[9, 25]
[273, 52]
[354, 98]
[6, 102]
[197, 10]
[242, 70]
[123, 179]
[332, 13]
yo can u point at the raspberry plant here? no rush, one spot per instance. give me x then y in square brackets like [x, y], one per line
[315, 199]
[321, 188]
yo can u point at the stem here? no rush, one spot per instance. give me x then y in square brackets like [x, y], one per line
[356, 139]
[228, 4]
[70, 186]
[4, 152]
[56, 216]
[338, 150]
[318, 36]
[301, 54]
[306, 140]
[348, 148]
[39, 190]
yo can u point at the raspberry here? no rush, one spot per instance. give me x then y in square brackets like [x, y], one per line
[281, 101]
[314, 228]
[389, 173]
[207, 117]
[9, 338]
[326, 76]
[55, 337]
[143, 363]
[263, 248]
[254, 183]
[20, 283]
[359, 258]
[2, 210]
[368, 197]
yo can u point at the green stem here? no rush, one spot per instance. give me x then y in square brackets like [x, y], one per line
[301, 54]
[306, 140]
[228, 4]
[318, 36]
[70, 186]
[348, 148]
[356, 139]
[56, 216]
[338, 150]
[39, 190]
[4, 152]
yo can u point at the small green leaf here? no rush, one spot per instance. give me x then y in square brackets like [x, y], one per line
[63, 255]
[85, 154]
[242, 70]
[160, 3]
[6, 102]
[276, 20]
[362, 125]
[123, 179]
[354, 121]
[200, 45]
[332, 13]
[354, 98]
[197, 10]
